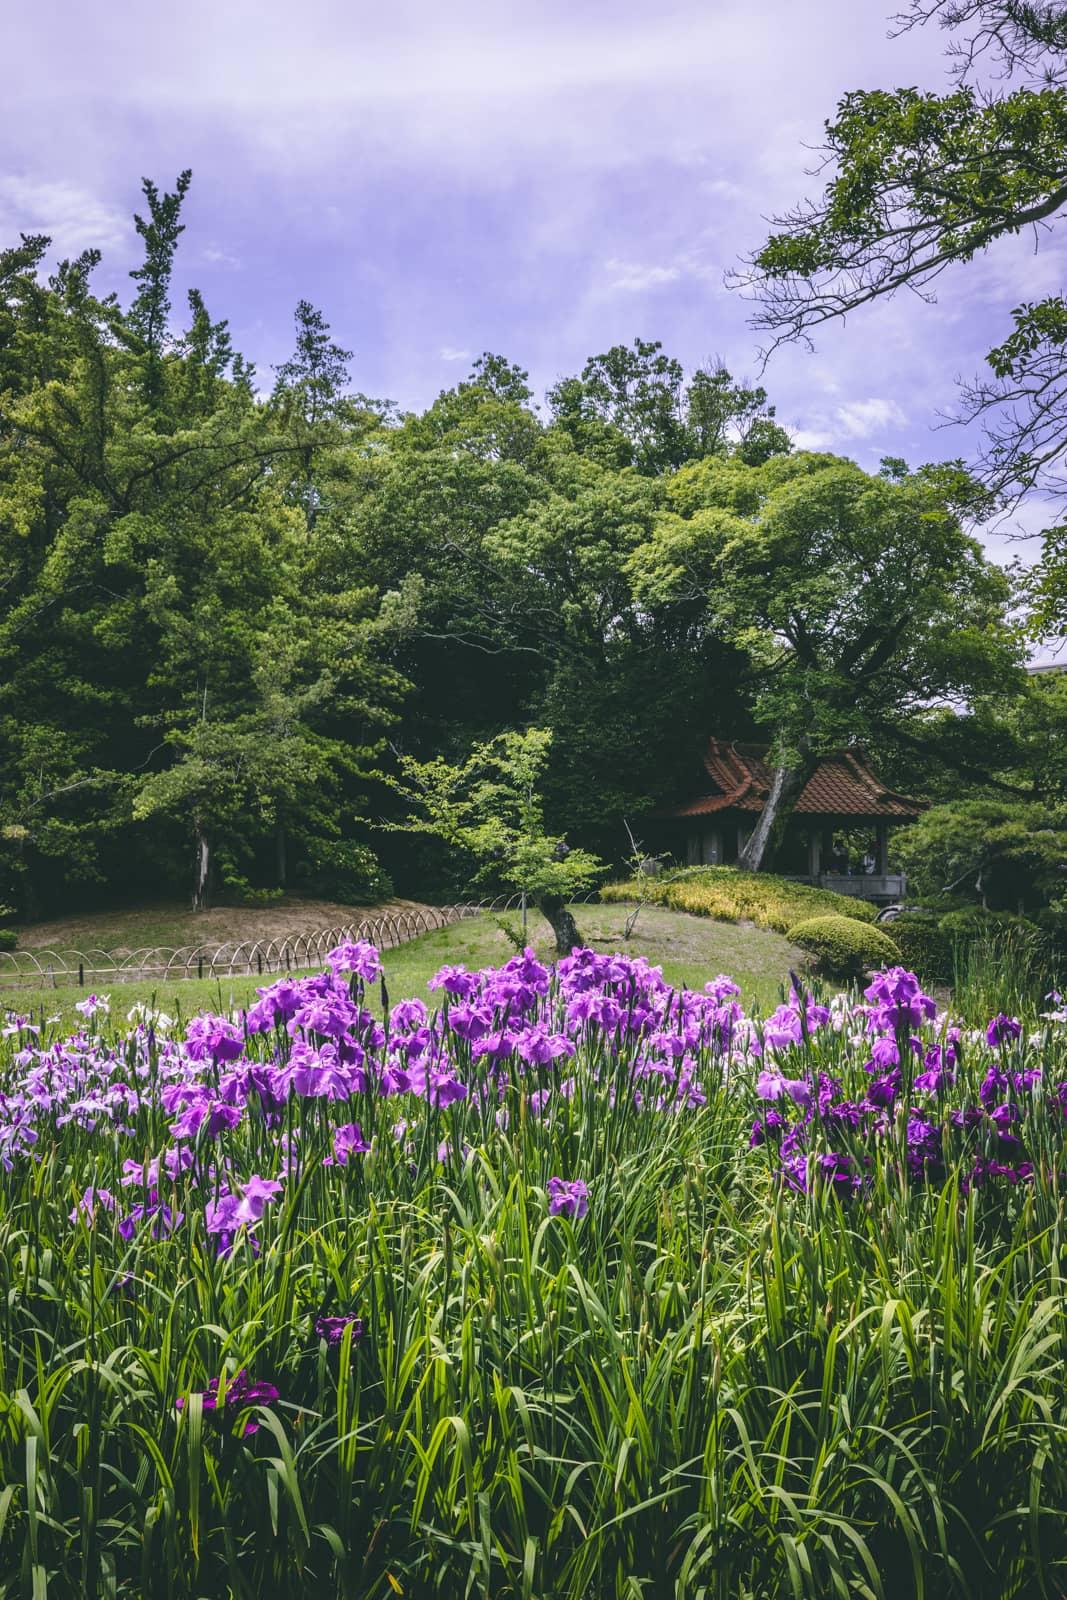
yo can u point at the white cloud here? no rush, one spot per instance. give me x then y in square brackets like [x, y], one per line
[855, 419]
[219, 257]
[450, 352]
[858, 419]
[631, 277]
[812, 439]
[73, 216]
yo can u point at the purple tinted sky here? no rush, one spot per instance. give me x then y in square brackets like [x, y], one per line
[542, 182]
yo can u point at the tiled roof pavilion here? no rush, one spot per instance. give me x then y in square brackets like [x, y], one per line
[842, 785]
[842, 793]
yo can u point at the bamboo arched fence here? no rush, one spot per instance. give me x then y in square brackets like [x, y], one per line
[297, 952]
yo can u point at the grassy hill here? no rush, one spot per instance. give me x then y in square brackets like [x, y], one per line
[690, 950]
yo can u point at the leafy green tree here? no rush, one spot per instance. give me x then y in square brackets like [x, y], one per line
[724, 417]
[920, 181]
[837, 585]
[630, 687]
[490, 807]
[318, 415]
[1011, 743]
[156, 570]
[632, 407]
[411, 510]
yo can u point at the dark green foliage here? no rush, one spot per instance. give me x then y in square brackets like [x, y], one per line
[941, 945]
[632, 407]
[842, 947]
[1005, 854]
[8, 939]
[924, 947]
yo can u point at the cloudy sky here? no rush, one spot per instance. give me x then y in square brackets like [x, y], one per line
[542, 181]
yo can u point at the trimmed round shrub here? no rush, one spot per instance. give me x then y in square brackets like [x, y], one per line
[841, 947]
[8, 938]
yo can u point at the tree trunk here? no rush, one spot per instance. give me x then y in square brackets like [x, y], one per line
[280, 853]
[786, 786]
[554, 910]
[202, 881]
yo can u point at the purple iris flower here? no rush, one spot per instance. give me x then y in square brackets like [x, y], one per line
[238, 1394]
[898, 1000]
[772, 1086]
[538, 1046]
[883, 1091]
[164, 1221]
[771, 1123]
[92, 1201]
[455, 981]
[348, 1141]
[356, 956]
[222, 1117]
[567, 1199]
[232, 1210]
[213, 1039]
[92, 1004]
[407, 1014]
[332, 1329]
[1002, 1030]
[884, 1052]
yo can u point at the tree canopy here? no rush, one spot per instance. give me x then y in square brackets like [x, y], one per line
[230, 613]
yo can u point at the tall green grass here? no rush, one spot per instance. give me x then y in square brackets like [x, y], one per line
[1009, 969]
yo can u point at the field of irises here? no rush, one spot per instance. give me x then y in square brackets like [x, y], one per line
[558, 1284]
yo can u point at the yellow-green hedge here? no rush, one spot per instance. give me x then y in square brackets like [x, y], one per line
[732, 896]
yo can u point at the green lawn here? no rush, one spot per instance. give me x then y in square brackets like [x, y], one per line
[689, 949]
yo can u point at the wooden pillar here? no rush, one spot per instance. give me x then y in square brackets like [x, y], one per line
[814, 853]
[882, 849]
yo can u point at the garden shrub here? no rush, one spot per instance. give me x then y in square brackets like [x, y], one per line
[730, 895]
[843, 947]
[973, 922]
[933, 945]
[924, 945]
[8, 938]
[342, 869]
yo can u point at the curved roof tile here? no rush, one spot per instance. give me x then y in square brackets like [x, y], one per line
[842, 785]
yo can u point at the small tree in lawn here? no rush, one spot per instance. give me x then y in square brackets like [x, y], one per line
[491, 806]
